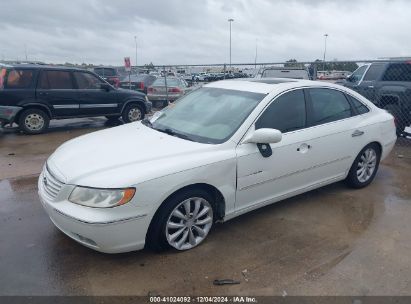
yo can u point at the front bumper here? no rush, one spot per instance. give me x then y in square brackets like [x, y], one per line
[108, 230]
[8, 113]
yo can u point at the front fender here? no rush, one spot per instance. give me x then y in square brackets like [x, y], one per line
[138, 101]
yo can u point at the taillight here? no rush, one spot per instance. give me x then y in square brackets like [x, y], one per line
[142, 86]
[150, 90]
[174, 90]
[2, 77]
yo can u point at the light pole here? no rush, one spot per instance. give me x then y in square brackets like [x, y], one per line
[325, 49]
[135, 40]
[25, 51]
[230, 21]
[255, 58]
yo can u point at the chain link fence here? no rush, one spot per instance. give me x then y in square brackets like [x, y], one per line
[386, 82]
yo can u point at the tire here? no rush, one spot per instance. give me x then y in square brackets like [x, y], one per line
[133, 112]
[33, 121]
[400, 121]
[167, 230]
[364, 167]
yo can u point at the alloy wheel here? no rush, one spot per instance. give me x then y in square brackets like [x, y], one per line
[189, 223]
[366, 165]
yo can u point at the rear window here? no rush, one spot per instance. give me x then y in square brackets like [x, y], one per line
[18, 79]
[170, 82]
[296, 74]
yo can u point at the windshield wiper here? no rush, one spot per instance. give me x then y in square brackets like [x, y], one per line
[173, 133]
[147, 122]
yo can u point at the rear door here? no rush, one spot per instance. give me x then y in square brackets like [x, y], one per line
[94, 100]
[336, 133]
[56, 88]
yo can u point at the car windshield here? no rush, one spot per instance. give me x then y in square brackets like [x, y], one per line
[207, 115]
[160, 82]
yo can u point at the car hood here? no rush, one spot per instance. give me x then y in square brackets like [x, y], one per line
[129, 154]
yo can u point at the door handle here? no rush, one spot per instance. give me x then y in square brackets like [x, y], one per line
[371, 87]
[357, 133]
[303, 148]
[43, 93]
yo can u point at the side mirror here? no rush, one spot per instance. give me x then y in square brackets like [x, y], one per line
[105, 86]
[350, 78]
[264, 136]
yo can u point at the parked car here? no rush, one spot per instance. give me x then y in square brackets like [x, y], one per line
[32, 95]
[387, 85]
[139, 82]
[108, 74]
[157, 93]
[223, 150]
[283, 72]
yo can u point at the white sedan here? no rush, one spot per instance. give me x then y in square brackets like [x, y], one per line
[218, 152]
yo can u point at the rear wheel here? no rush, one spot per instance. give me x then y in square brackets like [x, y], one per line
[33, 121]
[133, 112]
[365, 166]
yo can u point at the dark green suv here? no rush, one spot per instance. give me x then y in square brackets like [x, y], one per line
[32, 95]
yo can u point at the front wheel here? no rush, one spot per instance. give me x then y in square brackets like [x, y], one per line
[183, 222]
[133, 112]
[33, 121]
[365, 167]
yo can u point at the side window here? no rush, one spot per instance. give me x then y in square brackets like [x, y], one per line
[358, 105]
[286, 113]
[374, 71]
[327, 106]
[55, 80]
[87, 81]
[19, 79]
[398, 72]
[43, 82]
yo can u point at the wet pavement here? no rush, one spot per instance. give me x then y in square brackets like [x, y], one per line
[330, 241]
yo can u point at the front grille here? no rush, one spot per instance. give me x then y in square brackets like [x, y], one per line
[52, 185]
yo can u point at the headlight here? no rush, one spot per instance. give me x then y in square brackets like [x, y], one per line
[101, 198]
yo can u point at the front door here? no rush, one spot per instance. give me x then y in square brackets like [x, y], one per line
[93, 99]
[367, 88]
[260, 180]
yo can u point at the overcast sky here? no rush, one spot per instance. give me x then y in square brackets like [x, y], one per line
[184, 32]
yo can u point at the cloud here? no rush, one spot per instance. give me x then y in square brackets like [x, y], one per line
[184, 32]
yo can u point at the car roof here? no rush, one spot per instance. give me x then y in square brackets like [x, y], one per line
[44, 66]
[268, 85]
